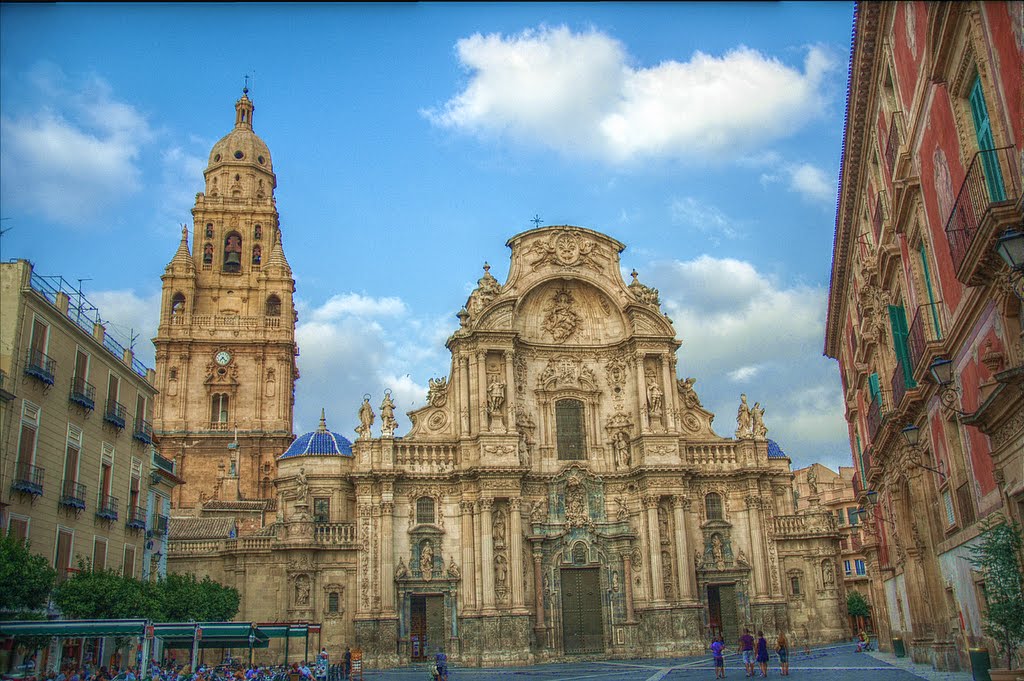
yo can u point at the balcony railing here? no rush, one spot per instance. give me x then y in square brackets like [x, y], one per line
[899, 384]
[857, 486]
[83, 393]
[992, 180]
[28, 479]
[879, 215]
[72, 495]
[892, 144]
[926, 328]
[114, 414]
[878, 408]
[106, 507]
[136, 518]
[159, 525]
[163, 463]
[143, 432]
[866, 459]
[40, 366]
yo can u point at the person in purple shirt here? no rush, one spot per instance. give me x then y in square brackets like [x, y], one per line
[717, 652]
[747, 649]
[762, 653]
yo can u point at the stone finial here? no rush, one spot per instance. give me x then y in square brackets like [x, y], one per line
[182, 257]
[276, 257]
[323, 421]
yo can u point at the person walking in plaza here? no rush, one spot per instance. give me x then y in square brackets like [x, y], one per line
[347, 659]
[747, 650]
[782, 648]
[762, 653]
[718, 654]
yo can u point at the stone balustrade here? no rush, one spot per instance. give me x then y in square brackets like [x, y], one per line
[334, 533]
[712, 454]
[189, 547]
[439, 456]
[229, 321]
[804, 525]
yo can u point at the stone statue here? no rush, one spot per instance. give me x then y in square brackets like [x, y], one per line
[302, 590]
[758, 428]
[498, 528]
[716, 552]
[812, 481]
[743, 419]
[453, 570]
[689, 395]
[302, 486]
[538, 512]
[621, 445]
[524, 450]
[387, 416]
[828, 575]
[427, 560]
[400, 570]
[662, 523]
[495, 396]
[622, 513]
[742, 558]
[615, 581]
[500, 574]
[366, 417]
[654, 396]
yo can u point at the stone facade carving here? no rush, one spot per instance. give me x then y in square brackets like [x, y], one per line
[561, 321]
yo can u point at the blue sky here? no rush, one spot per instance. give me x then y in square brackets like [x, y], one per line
[410, 141]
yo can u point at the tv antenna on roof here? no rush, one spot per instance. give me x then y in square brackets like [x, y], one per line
[81, 298]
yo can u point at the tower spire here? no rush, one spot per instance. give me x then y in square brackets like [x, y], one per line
[244, 108]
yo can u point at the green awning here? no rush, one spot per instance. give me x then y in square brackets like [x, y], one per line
[214, 634]
[73, 628]
[283, 630]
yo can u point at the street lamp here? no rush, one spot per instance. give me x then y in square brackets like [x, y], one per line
[912, 436]
[1010, 247]
[941, 371]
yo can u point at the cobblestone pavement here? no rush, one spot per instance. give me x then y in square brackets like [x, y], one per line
[831, 663]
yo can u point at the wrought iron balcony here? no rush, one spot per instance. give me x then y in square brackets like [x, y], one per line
[159, 525]
[6, 386]
[892, 143]
[72, 494]
[40, 366]
[114, 414]
[136, 518]
[879, 407]
[83, 393]
[106, 507]
[28, 479]
[143, 432]
[163, 463]
[925, 329]
[984, 207]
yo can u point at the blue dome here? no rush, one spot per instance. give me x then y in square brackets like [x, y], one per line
[321, 442]
[775, 451]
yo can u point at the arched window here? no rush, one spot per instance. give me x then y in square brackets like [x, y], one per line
[178, 306]
[569, 430]
[219, 408]
[257, 232]
[333, 601]
[273, 306]
[425, 511]
[713, 506]
[209, 230]
[233, 252]
[208, 254]
[257, 255]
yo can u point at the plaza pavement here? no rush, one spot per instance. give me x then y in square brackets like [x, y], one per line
[829, 663]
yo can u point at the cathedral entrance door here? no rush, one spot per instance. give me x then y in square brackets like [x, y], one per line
[426, 626]
[722, 611]
[582, 630]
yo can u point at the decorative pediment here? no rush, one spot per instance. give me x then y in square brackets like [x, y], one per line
[567, 372]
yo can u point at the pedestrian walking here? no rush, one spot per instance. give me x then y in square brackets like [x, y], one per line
[747, 650]
[782, 648]
[348, 663]
[718, 654]
[762, 653]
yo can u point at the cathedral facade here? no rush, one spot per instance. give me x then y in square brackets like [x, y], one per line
[562, 492]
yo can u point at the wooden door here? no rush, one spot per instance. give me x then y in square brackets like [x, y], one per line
[582, 620]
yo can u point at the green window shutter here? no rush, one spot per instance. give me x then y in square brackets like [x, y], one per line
[860, 462]
[931, 294]
[873, 386]
[900, 333]
[986, 142]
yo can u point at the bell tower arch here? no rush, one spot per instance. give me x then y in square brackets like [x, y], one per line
[225, 346]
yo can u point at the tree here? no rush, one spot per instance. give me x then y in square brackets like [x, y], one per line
[857, 605]
[27, 577]
[997, 555]
[91, 594]
[186, 599]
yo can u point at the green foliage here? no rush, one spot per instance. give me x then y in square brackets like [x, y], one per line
[27, 577]
[106, 594]
[857, 605]
[186, 599]
[997, 555]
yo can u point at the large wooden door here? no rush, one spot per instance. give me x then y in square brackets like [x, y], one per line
[723, 618]
[582, 621]
[426, 626]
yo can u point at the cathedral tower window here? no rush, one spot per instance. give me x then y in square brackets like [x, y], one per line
[209, 230]
[208, 254]
[257, 232]
[257, 255]
[425, 511]
[233, 252]
[219, 409]
[273, 306]
[178, 307]
[569, 429]
[713, 506]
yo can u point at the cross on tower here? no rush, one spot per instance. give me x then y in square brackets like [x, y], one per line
[536, 220]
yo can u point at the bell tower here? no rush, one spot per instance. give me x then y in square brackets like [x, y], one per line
[225, 347]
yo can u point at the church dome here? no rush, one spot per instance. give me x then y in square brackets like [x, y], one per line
[241, 146]
[320, 442]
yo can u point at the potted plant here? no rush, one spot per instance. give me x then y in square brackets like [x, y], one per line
[998, 556]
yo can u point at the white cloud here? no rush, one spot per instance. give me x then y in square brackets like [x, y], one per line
[743, 374]
[578, 93]
[127, 314]
[704, 217]
[359, 305]
[70, 161]
[182, 178]
[813, 183]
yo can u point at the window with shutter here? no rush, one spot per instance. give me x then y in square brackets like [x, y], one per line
[986, 142]
[900, 335]
[569, 428]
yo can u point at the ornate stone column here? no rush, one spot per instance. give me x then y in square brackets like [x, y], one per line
[671, 395]
[680, 505]
[364, 573]
[487, 553]
[387, 557]
[468, 541]
[627, 577]
[654, 548]
[463, 397]
[641, 391]
[759, 556]
[477, 557]
[510, 392]
[538, 589]
[515, 570]
[481, 390]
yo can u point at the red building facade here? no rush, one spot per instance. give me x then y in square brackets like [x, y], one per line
[930, 181]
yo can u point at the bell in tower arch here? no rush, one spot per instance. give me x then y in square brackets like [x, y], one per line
[233, 253]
